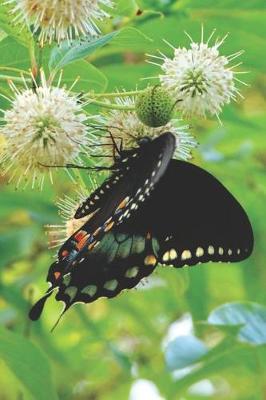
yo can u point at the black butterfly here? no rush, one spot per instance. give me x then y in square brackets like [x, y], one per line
[152, 209]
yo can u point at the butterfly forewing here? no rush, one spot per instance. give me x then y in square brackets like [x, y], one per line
[139, 173]
[136, 172]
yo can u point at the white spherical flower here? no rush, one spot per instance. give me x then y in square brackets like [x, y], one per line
[126, 129]
[200, 78]
[44, 127]
[61, 19]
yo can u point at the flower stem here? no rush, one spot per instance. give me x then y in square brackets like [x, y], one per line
[34, 64]
[13, 78]
[12, 69]
[116, 94]
[111, 106]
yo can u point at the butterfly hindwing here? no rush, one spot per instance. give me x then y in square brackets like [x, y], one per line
[119, 262]
[195, 218]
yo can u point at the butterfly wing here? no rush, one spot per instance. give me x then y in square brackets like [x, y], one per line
[190, 218]
[137, 170]
[114, 202]
[119, 262]
[120, 196]
[195, 218]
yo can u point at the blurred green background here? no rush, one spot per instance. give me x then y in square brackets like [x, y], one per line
[133, 347]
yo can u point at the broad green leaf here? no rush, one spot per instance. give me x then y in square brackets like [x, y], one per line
[128, 40]
[67, 52]
[250, 317]
[184, 351]
[233, 358]
[89, 78]
[28, 364]
[130, 80]
[13, 54]
[20, 31]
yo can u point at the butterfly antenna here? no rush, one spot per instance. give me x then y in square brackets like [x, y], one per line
[69, 166]
[66, 307]
[115, 147]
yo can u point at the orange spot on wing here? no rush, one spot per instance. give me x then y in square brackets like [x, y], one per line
[80, 235]
[122, 204]
[65, 253]
[82, 242]
[150, 260]
[57, 275]
[92, 245]
[95, 233]
[109, 226]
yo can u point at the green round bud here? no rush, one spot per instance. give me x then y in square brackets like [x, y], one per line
[154, 106]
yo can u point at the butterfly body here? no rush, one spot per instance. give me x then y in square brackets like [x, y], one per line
[152, 210]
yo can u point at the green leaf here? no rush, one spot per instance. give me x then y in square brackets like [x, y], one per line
[118, 79]
[90, 77]
[184, 351]
[67, 53]
[13, 54]
[130, 39]
[28, 364]
[250, 317]
[233, 358]
[20, 32]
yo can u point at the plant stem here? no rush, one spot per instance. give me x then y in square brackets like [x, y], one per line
[34, 64]
[13, 78]
[111, 106]
[117, 94]
[21, 71]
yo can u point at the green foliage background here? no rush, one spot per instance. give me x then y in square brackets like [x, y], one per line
[99, 350]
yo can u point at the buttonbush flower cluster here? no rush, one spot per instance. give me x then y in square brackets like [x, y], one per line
[43, 128]
[61, 19]
[200, 77]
